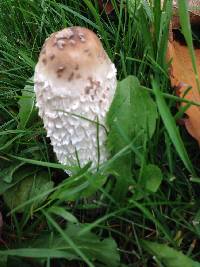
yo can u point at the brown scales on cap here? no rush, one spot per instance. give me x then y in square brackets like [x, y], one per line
[63, 50]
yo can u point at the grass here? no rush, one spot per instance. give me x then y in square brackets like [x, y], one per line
[86, 220]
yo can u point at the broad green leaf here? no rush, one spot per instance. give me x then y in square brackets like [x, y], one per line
[95, 249]
[143, 112]
[18, 175]
[169, 256]
[29, 187]
[27, 110]
[121, 115]
[119, 111]
[132, 115]
[149, 181]
[104, 251]
[118, 120]
[151, 178]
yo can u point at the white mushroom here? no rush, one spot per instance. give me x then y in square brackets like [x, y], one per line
[74, 76]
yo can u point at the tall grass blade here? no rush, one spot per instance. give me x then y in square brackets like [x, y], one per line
[171, 128]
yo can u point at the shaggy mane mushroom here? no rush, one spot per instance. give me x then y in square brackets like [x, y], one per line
[74, 75]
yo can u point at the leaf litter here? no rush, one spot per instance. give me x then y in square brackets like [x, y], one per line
[182, 75]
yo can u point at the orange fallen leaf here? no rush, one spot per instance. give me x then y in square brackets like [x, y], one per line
[182, 77]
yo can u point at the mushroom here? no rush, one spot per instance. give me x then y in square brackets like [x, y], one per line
[74, 83]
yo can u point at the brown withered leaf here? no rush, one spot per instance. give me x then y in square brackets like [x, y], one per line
[106, 6]
[182, 77]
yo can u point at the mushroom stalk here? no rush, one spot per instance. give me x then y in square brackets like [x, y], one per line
[74, 83]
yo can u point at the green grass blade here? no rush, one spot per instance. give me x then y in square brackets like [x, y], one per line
[171, 128]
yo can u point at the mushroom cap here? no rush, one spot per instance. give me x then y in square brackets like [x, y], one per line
[71, 53]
